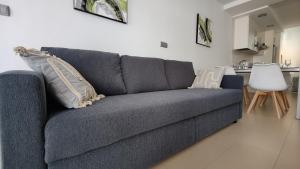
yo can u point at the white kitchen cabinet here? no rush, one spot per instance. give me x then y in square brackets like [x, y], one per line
[245, 34]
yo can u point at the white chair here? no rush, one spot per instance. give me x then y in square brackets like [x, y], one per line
[267, 79]
[245, 89]
[229, 70]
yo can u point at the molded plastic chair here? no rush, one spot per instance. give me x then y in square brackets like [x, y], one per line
[229, 70]
[268, 79]
[245, 90]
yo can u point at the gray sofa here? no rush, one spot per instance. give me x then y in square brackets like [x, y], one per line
[147, 116]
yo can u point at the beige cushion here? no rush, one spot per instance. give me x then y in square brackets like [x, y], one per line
[209, 78]
[63, 80]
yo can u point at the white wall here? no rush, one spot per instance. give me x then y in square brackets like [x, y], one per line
[290, 49]
[290, 45]
[36, 23]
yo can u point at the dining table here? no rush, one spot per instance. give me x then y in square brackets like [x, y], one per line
[284, 70]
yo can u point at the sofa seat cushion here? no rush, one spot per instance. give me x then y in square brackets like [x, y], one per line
[72, 132]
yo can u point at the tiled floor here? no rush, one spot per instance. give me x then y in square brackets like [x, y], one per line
[258, 141]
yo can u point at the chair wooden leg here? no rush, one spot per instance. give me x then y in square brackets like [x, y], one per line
[263, 102]
[253, 102]
[276, 104]
[257, 101]
[261, 98]
[280, 100]
[286, 101]
[246, 102]
[246, 95]
[280, 94]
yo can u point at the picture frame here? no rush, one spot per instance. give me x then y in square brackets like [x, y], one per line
[204, 34]
[116, 10]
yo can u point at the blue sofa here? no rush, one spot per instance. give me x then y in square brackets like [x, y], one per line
[147, 116]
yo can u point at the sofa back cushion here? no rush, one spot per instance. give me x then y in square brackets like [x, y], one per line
[143, 74]
[180, 75]
[101, 69]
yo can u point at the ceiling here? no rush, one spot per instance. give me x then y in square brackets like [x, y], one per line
[287, 13]
[225, 1]
[237, 7]
[265, 19]
[281, 13]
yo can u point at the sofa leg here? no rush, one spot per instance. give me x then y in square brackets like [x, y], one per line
[235, 122]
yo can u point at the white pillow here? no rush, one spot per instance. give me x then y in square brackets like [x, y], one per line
[228, 70]
[63, 80]
[209, 78]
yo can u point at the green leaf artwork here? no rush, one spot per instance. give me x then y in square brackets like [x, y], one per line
[111, 9]
[204, 33]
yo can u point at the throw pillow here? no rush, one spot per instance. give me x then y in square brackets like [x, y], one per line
[209, 78]
[63, 80]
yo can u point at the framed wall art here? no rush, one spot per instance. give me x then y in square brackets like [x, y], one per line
[204, 32]
[116, 10]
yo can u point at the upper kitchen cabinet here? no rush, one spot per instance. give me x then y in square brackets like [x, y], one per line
[245, 34]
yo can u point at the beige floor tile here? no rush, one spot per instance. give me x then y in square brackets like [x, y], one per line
[290, 153]
[198, 156]
[258, 141]
[243, 156]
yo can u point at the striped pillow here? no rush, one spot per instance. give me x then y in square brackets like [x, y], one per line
[209, 78]
[62, 79]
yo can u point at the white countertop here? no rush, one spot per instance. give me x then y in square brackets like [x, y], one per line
[289, 69]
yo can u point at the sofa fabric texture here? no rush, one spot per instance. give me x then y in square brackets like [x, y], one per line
[131, 131]
[232, 82]
[138, 152]
[118, 117]
[144, 74]
[180, 75]
[101, 69]
[215, 120]
[23, 116]
[145, 150]
[64, 82]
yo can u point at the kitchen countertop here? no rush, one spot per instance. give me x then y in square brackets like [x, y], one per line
[288, 69]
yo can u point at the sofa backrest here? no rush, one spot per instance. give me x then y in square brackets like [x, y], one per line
[111, 74]
[101, 69]
[180, 75]
[144, 74]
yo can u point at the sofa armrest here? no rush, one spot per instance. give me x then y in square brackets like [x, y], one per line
[23, 116]
[232, 82]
